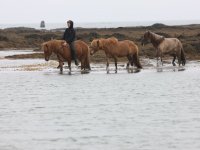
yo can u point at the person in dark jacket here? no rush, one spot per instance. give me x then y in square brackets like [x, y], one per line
[70, 36]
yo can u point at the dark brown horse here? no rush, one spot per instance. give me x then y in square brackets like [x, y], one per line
[62, 50]
[171, 46]
[114, 49]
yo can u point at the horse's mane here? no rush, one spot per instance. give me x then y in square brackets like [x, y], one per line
[108, 42]
[155, 38]
[113, 40]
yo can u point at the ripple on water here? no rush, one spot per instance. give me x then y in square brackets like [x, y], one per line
[45, 110]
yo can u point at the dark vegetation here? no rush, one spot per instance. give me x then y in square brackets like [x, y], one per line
[23, 38]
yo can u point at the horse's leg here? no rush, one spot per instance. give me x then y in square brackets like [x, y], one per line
[85, 62]
[173, 62]
[157, 55]
[59, 60]
[61, 66]
[178, 54]
[161, 57]
[115, 58]
[127, 65]
[132, 61]
[129, 61]
[69, 65]
[107, 66]
[179, 61]
[82, 64]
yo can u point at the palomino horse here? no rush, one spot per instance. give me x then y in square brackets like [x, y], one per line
[171, 46]
[62, 50]
[114, 49]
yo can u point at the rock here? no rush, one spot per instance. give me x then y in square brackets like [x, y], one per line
[159, 25]
[42, 24]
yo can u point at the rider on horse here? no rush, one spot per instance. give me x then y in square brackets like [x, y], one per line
[70, 36]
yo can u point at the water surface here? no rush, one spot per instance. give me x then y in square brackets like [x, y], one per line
[45, 110]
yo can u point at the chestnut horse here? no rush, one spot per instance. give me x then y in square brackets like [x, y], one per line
[114, 49]
[171, 46]
[62, 50]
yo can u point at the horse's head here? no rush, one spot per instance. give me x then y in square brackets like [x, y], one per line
[47, 51]
[145, 38]
[95, 46]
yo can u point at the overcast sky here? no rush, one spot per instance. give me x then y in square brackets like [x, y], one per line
[58, 11]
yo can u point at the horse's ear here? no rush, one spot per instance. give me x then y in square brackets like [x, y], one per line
[97, 43]
[148, 32]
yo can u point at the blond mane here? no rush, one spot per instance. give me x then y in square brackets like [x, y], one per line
[113, 40]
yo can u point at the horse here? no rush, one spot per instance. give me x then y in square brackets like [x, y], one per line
[171, 46]
[114, 49]
[63, 53]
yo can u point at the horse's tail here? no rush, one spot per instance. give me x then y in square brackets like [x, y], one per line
[136, 59]
[183, 59]
[87, 61]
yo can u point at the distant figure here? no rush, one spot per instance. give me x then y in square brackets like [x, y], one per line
[70, 36]
[42, 24]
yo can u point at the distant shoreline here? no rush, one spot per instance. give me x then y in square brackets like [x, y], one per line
[115, 24]
[29, 38]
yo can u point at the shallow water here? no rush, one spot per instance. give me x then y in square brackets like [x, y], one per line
[14, 52]
[44, 110]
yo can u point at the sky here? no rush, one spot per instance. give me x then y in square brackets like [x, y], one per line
[58, 11]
